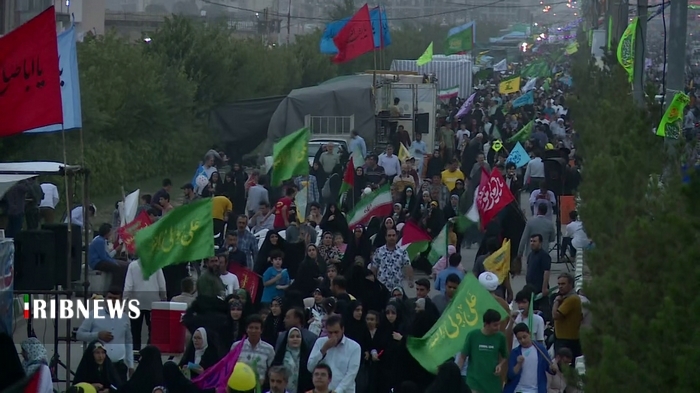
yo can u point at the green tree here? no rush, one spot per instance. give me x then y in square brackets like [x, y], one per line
[204, 53]
[315, 68]
[645, 260]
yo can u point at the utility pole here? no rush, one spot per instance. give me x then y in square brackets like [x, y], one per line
[289, 21]
[640, 52]
[675, 71]
[618, 10]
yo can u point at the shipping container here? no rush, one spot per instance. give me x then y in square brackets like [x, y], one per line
[450, 71]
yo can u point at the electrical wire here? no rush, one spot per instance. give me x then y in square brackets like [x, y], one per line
[452, 11]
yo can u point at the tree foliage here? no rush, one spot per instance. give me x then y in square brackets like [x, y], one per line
[645, 260]
[145, 105]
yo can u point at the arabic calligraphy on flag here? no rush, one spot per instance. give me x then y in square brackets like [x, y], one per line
[30, 86]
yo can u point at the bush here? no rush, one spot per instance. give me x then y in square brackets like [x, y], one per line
[643, 337]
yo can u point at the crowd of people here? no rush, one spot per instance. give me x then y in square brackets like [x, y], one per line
[331, 313]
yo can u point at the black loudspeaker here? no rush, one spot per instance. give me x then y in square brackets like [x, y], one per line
[60, 232]
[547, 154]
[34, 260]
[555, 174]
[422, 123]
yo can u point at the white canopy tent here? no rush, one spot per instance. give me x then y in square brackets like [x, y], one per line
[12, 172]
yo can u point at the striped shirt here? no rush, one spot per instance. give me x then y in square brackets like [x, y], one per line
[260, 356]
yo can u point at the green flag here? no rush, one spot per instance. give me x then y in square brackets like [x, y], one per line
[464, 314]
[536, 69]
[426, 57]
[185, 234]
[438, 247]
[462, 41]
[290, 156]
[524, 133]
[625, 49]
[672, 122]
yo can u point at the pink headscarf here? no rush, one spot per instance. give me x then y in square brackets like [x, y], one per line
[442, 262]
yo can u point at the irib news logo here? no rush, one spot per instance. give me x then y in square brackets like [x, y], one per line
[82, 308]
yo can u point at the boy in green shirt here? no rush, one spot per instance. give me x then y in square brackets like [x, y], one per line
[487, 353]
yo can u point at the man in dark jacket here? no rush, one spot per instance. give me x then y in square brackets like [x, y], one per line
[295, 318]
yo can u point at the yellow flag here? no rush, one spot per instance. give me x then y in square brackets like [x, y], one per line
[510, 86]
[426, 57]
[403, 153]
[498, 263]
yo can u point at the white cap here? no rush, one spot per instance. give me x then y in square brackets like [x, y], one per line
[489, 281]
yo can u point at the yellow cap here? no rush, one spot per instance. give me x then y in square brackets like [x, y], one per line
[549, 146]
[87, 388]
[242, 378]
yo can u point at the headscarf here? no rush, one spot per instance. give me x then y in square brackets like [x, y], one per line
[149, 373]
[198, 353]
[175, 381]
[12, 371]
[35, 353]
[89, 371]
[261, 262]
[292, 360]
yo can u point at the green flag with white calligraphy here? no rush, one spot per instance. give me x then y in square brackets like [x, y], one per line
[183, 235]
[464, 314]
[625, 48]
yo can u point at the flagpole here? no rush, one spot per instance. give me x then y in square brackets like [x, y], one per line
[381, 38]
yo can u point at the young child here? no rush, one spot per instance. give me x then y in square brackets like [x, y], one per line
[275, 279]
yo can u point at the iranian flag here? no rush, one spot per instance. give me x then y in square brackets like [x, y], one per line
[446, 94]
[414, 240]
[438, 248]
[376, 204]
[348, 179]
[462, 223]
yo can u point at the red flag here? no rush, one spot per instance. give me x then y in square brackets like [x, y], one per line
[493, 195]
[30, 86]
[246, 277]
[355, 38]
[348, 178]
[128, 231]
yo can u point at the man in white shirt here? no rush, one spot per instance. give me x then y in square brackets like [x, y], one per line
[340, 353]
[418, 150]
[357, 146]
[47, 207]
[390, 163]
[522, 299]
[543, 196]
[575, 235]
[229, 279]
[146, 292]
[76, 215]
[114, 334]
[534, 172]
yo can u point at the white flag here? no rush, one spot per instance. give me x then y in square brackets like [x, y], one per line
[500, 66]
[129, 207]
[530, 85]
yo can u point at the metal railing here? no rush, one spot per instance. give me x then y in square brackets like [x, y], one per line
[330, 125]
